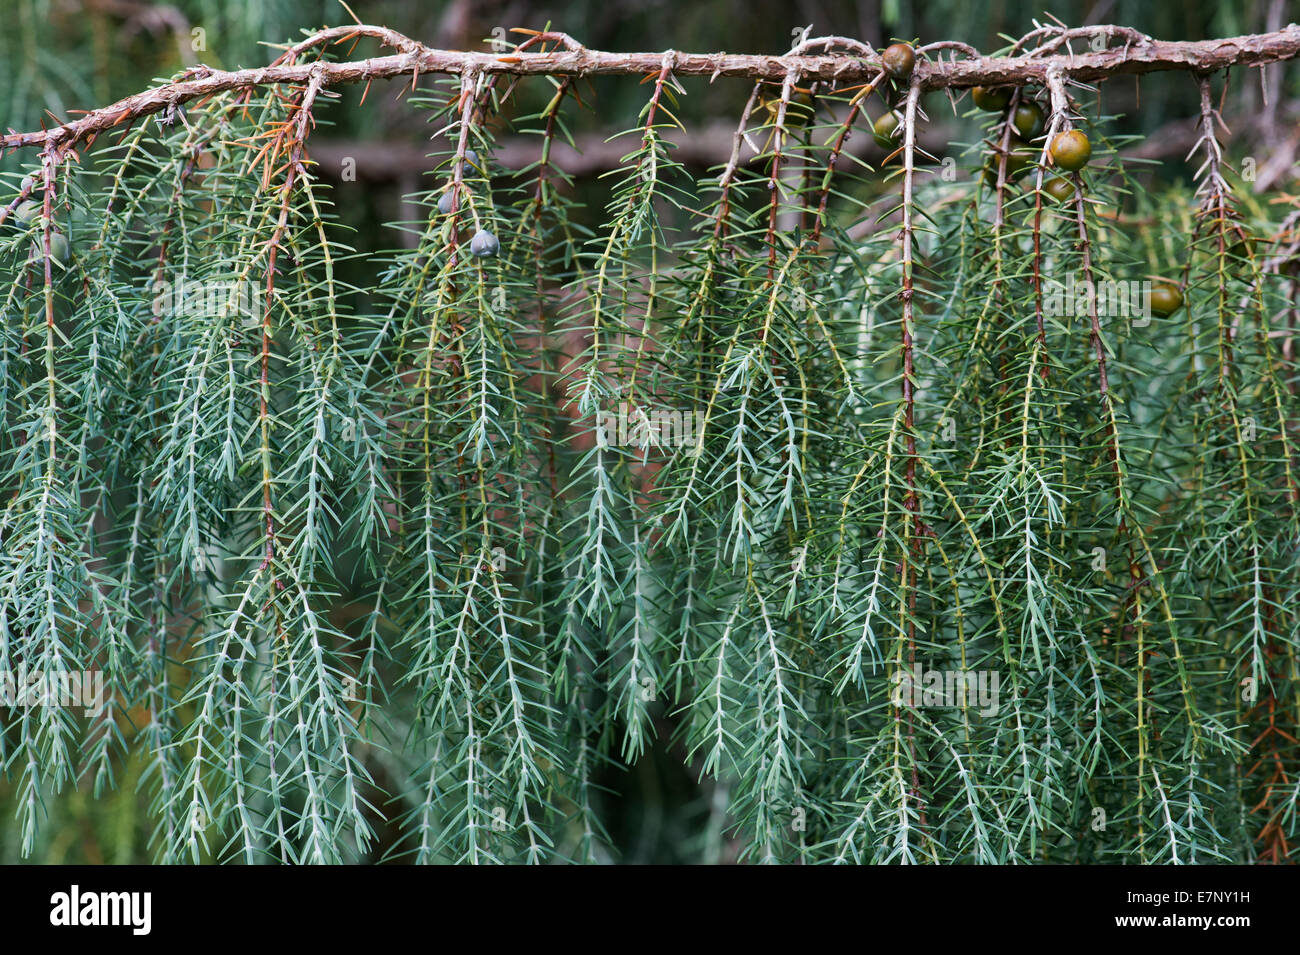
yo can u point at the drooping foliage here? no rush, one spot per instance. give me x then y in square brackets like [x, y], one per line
[410, 566]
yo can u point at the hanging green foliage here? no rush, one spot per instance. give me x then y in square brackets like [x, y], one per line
[937, 510]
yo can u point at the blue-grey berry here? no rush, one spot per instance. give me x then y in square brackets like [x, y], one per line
[58, 249]
[27, 212]
[445, 201]
[484, 244]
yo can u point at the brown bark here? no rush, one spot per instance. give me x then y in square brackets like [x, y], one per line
[1139, 54]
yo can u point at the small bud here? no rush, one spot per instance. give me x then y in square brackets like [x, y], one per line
[484, 244]
[28, 184]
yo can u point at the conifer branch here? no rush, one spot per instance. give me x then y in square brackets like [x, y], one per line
[1140, 54]
[420, 543]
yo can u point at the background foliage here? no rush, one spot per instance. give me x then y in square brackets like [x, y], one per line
[475, 632]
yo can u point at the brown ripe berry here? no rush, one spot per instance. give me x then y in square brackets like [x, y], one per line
[992, 100]
[1028, 120]
[1166, 298]
[1020, 158]
[1059, 188]
[1071, 150]
[883, 130]
[899, 59]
